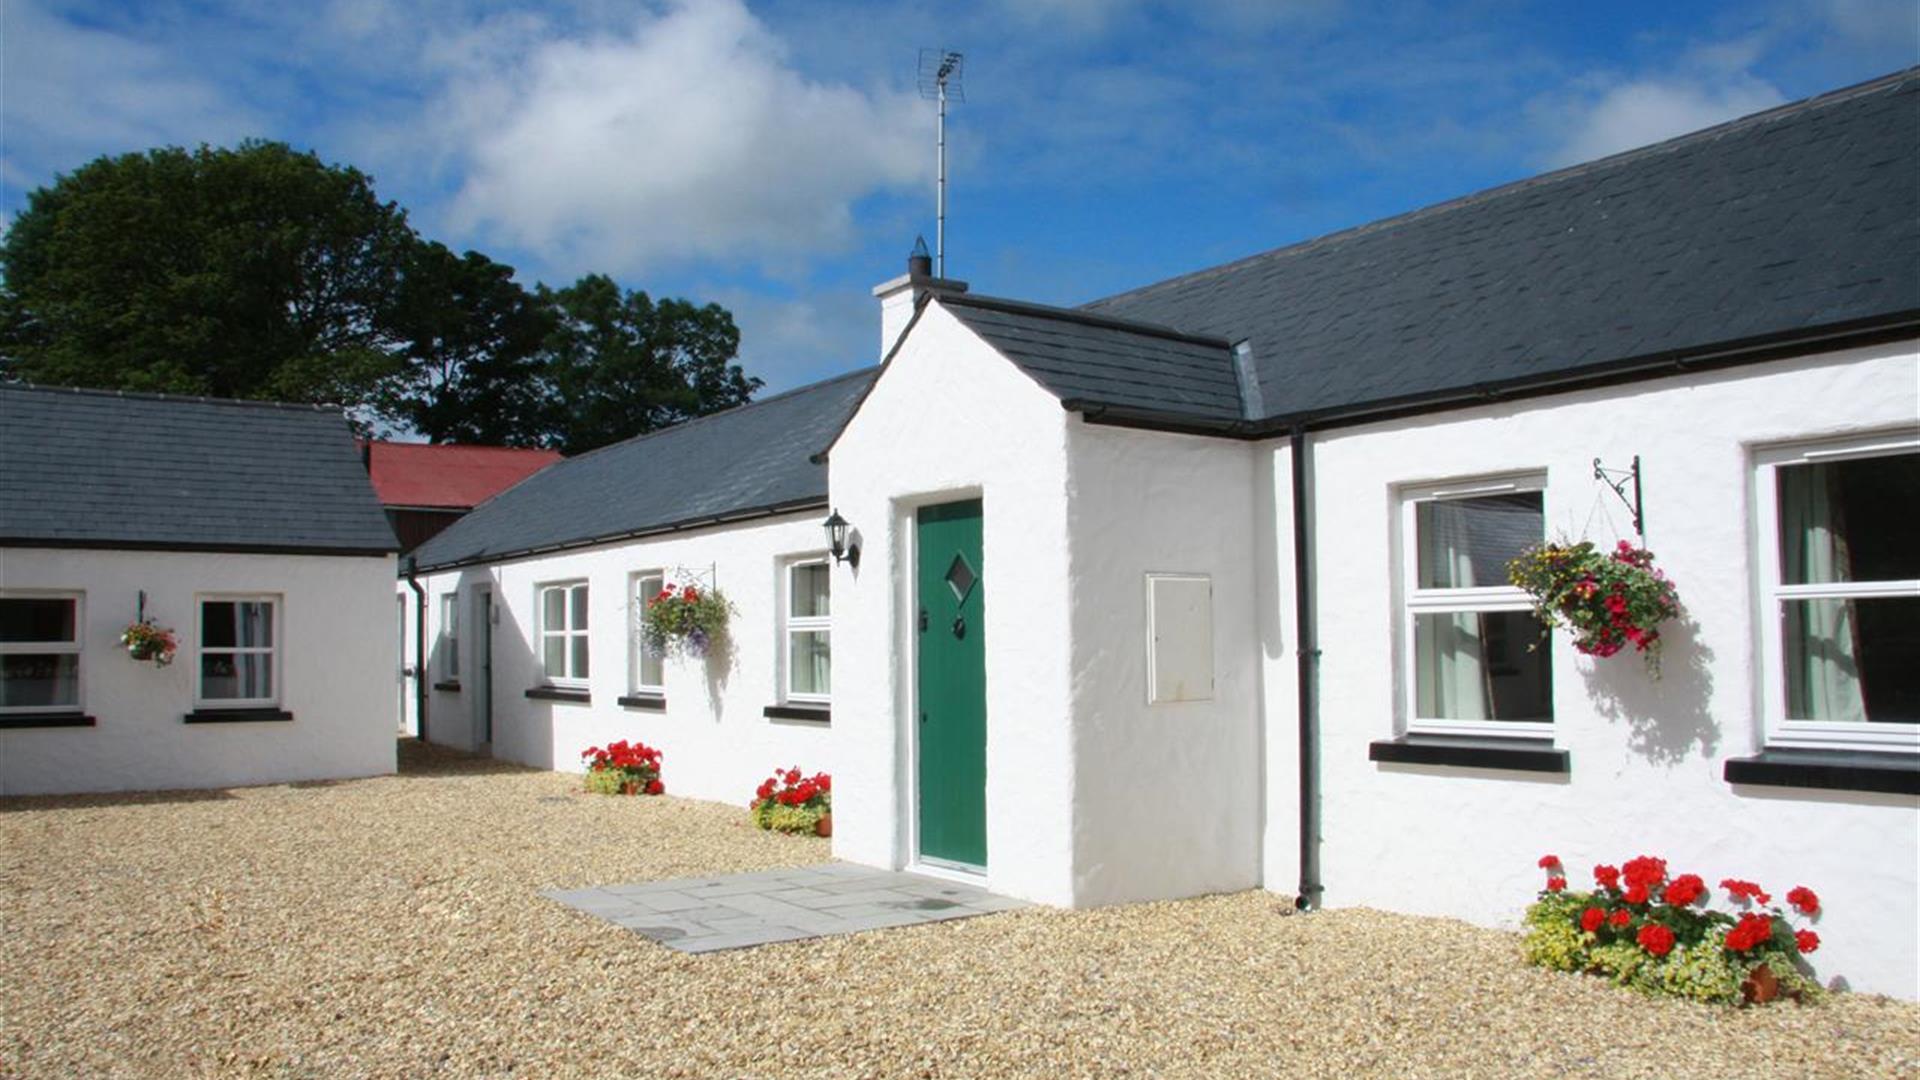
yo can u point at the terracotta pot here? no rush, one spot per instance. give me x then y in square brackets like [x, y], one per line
[143, 650]
[823, 827]
[631, 787]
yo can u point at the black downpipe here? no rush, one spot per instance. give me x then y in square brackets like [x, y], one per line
[1309, 651]
[419, 647]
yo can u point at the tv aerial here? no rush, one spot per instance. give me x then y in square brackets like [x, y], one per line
[940, 81]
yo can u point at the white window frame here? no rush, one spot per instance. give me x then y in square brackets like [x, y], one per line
[450, 636]
[272, 652]
[1416, 601]
[73, 648]
[791, 625]
[637, 647]
[565, 631]
[1781, 732]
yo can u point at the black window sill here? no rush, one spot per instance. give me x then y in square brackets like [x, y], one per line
[653, 702]
[237, 716]
[559, 693]
[818, 714]
[1519, 755]
[46, 719]
[1833, 770]
[452, 686]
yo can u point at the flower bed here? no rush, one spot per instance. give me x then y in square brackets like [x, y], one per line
[623, 768]
[792, 803]
[1607, 601]
[1642, 929]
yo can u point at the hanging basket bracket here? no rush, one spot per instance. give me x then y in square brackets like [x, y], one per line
[1618, 479]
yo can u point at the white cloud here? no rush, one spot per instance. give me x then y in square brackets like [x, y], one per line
[790, 341]
[74, 92]
[690, 137]
[1649, 110]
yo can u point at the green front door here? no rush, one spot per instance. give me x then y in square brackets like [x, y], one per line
[953, 685]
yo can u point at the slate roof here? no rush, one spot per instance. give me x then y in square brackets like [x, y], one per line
[1776, 225]
[448, 476]
[746, 461]
[90, 468]
[1079, 356]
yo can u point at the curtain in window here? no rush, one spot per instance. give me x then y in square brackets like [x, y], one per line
[1451, 668]
[1821, 647]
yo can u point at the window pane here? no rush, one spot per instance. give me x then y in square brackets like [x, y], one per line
[218, 624]
[28, 680]
[37, 618]
[226, 676]
[553, 609]
[579, 607]
[651, 673]
[1852, 520]
[1476, 666]
[1853, 660]
[647, 666]
[1468, 542]
[579, 645]
[811, 583]
[809, 663]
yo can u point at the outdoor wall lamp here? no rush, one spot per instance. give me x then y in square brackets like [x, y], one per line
[839, 544]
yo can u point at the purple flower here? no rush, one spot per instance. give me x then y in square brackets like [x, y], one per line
[697, 641]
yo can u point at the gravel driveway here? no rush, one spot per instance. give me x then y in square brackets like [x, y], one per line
[391, 927]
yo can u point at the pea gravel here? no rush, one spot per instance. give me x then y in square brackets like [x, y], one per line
[392, 927]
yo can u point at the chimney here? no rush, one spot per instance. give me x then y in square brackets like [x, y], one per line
[899, 296]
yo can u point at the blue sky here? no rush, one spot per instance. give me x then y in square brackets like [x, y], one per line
[776, 158]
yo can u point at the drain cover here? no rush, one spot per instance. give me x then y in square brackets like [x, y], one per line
[924, 905]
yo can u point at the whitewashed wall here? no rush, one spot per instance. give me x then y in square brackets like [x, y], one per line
[337, 674]
[715, 741]
[1167, 797]
[1646, 756]
[950, 419]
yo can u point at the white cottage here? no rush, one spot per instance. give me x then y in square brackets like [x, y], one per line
[529, 611]
[1230, 607]
[1201, 587]
[247, 529]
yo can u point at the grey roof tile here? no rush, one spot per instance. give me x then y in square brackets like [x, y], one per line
[1104, 360]
[752, 458]
[1790, 220]
[88, 467]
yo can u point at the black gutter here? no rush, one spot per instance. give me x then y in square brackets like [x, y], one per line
[794, 506]
[1310, 889]
[419, 647]
[1895, 327]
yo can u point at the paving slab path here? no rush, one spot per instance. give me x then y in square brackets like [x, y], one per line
[738, 911]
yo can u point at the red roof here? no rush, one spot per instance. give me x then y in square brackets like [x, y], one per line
[455, 477]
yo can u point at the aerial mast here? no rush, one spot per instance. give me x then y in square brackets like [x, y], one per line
[940, 81]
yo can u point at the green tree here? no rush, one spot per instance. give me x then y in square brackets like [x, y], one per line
[619, 364]
[256, 272]
[473, 340]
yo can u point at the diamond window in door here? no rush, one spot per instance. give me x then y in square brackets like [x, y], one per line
[960, 578]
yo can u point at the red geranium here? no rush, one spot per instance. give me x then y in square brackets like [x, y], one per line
[1592, 919]
[1745, 890]
[638, 764]
[1608, 877]
[1548, 861]
[1555, 884]
[788, 788]
[1620, 917]
[1803, 899]
[1656, 939]
[1685, 889]
[1806, 940]
[1752, 930]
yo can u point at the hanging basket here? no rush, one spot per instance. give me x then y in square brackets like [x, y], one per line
[686, 619]
[1607, 602]
[149, 643]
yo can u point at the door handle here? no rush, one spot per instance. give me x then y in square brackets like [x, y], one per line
[923, 716]
[923, 620]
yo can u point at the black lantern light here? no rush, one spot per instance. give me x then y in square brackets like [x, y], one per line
[839, 544]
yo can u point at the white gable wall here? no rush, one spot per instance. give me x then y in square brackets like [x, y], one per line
[336, 673]
[950, 419]
[1646, 757]
[1167, 797]
[715, 740]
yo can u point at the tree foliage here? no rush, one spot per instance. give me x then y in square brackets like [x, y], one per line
[263, 272]
[257, 272]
